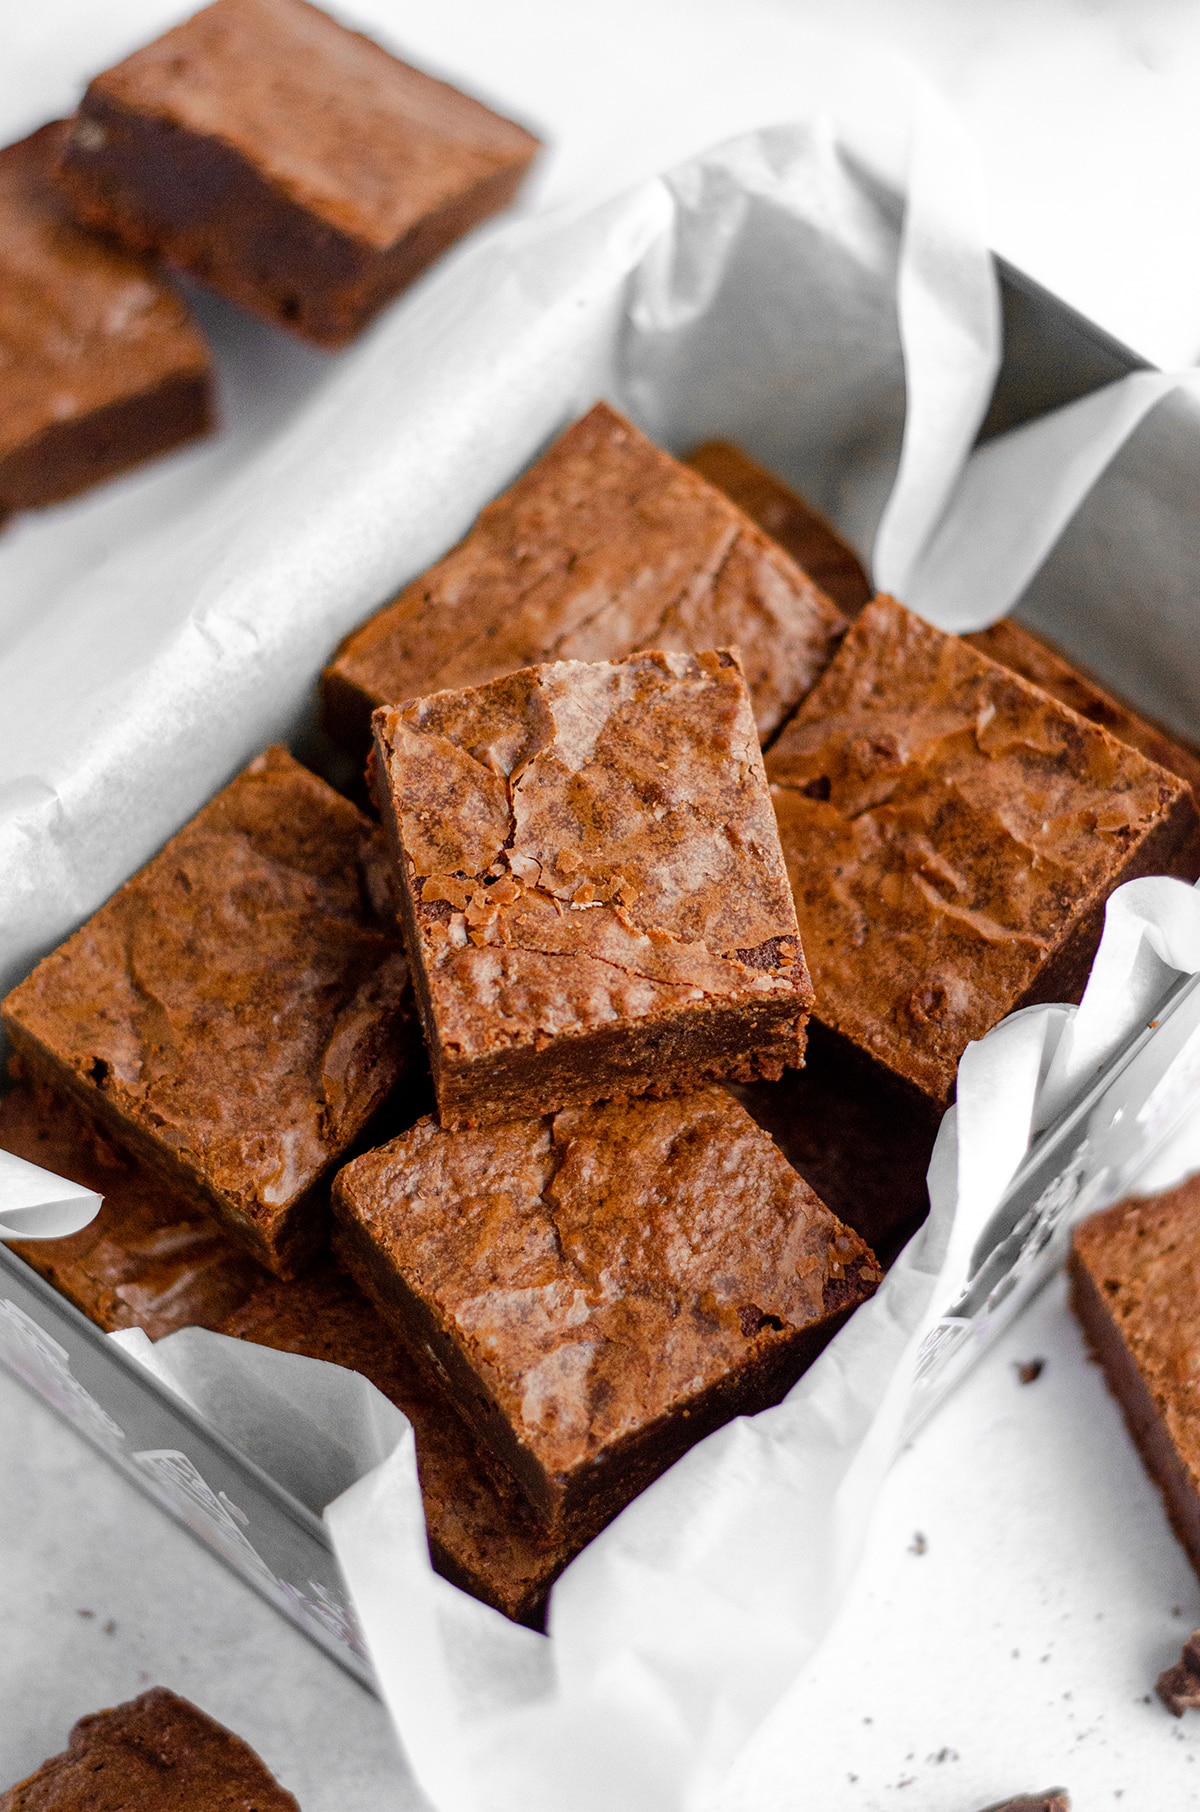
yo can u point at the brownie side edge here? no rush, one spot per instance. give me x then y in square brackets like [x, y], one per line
[70, 456]
[1137, 1405]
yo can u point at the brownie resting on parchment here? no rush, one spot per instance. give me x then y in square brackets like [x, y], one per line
[292, 164]
[150, 1259]
[952, 834]
[598, 1289]
[593, 892]
[158, 1753]
[605, 546]
[101, 364]
[239, 1009]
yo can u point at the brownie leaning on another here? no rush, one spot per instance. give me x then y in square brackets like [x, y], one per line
[238, 1010]
[594, 896]
[156, 1753]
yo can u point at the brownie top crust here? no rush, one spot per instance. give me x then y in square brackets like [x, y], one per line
[159, 1753]
[782, 513]
[82, 323]
[613, 814]
[236, 1000]
[606, 545]
[326, 115]
[1027, 654]
[600, 1267]
[946, 825]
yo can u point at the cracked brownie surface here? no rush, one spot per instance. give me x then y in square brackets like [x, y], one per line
[594, 894]
[235, 1013]
[599, 1288]
[605, 546]
[952, 834]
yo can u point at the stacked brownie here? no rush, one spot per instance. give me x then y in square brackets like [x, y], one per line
[289, 163]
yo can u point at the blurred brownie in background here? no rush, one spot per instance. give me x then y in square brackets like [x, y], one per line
[293, 165]
[100, 364]
[606, 545]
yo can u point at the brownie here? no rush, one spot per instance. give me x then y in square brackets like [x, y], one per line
[292, 164]
[102, 364]
[1135, 1286]
[239, 1009]
[952, 834]
[856, 1137]
[600, 1288]
[150, 1260]
[159, 1753]
[1179, 1686]
[1028, 654]
[809, 538]
[605, 546]
[593, 891]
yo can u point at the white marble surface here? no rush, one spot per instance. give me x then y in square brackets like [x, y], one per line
[1042, 1534]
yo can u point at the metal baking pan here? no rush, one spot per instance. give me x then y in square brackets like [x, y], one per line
[276, 1543]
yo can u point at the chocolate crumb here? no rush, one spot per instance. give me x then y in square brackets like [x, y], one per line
[1056, 1800]
[1179, 1686]
[1029, 1370]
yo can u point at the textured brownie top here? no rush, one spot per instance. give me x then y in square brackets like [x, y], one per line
[1144, 1258]
[82, 324]
[589, 842]
[602, 1266]
[158, 1753]
[238, 1000]
[945, 823]
[813, 543]
[149, 1260]
[606, 545]
[328, 117]
[1027, 654]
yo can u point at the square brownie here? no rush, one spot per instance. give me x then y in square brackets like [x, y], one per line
[292, 164]
[1135, 1286]
[782, 513]
[1025, 653]
[239, 1009]
[159, 1753]
[102, 364]
[151, 1260]
[952, 834]
[593, 891]
[599, 1288]
[605, 546]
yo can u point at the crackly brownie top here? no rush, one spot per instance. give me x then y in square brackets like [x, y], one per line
[944, 823]
[601, 1266]
[1144, 1258]
[238, 998]
[606, 545]
[813, 543]
[159, 1753]
[324, 114]
[82, 324]
[590, 841]
[1027, 654]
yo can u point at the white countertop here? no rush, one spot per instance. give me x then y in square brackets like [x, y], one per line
[1046, 1547]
